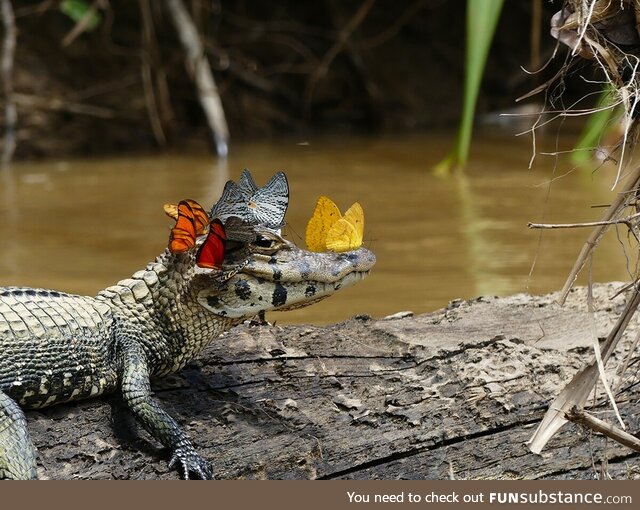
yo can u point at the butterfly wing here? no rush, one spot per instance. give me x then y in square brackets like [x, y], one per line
[233, 202]
[171, 210]
[265, 206]
[211, 252]
[200, 216]
[355, 216]
[189, 208]
[346, 234]
[268, 205]
[239, 230]
[191, 221]
[325, 215]
[247, 184]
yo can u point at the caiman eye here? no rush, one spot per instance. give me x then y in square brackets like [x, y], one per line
[267, 244]
[264, 242]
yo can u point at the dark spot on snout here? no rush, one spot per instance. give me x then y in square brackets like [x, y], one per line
[351, 257]
[242, 290]
[277, 273]
[213, 301]
[279, 295]
[305, 269]
[310, 291]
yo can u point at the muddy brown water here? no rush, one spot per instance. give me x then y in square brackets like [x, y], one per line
[81, 225]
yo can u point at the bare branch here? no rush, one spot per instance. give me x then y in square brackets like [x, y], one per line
[576, 392]
[148, 38]
[343, 37]
[579, 415]
[627, 221]
[82, 24]
[62, 105]
[203, 77]
[595, 236]
[8, 51]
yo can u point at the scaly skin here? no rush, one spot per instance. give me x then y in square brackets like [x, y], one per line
[57, 347]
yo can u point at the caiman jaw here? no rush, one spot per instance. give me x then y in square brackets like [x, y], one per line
[290, 278]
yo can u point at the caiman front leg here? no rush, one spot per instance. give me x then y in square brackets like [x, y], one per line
[136, 391]
[17, 453]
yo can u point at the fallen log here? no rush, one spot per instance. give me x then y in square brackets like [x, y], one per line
[451, 394]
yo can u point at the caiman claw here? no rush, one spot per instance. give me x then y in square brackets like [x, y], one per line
[191, 462]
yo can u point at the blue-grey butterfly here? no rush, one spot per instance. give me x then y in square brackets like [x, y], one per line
[257, 206]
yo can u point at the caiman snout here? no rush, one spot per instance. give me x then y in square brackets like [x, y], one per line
[361, 260]
[291, 278]
[295, 265]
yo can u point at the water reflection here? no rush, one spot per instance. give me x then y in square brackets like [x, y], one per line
[79, 226]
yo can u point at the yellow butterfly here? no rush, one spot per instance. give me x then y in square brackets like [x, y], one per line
[328, 229]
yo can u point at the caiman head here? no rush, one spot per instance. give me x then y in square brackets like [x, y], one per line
[271, 273]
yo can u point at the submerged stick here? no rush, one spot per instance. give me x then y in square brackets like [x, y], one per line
[579, 415]
[202, 75]
[8, 51]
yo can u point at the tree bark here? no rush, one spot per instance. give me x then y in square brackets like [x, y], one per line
[455, 393]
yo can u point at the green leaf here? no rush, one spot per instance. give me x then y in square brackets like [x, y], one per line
[77, 10]
[482, 18]
[596, 126]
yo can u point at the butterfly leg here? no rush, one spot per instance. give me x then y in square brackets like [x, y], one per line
[230, 273]
[260, 319]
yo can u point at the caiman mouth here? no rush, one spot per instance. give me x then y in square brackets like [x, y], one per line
[317, 291]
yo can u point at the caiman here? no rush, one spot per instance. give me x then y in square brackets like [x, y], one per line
[57, 347]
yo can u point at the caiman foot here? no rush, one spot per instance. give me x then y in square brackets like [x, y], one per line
[260, 320]
[191, 462]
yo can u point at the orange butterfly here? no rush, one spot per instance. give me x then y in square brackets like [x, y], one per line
[191, 221]
[211, 253]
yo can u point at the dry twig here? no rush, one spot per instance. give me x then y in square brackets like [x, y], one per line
[578, 415]
[626, 221]
[594, 238]
[342, 39]
[62, 105]
[577, 391]
[83, 23]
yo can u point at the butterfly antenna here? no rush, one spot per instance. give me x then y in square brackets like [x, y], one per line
[292, 232]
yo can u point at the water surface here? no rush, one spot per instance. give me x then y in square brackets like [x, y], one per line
[81, 225]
